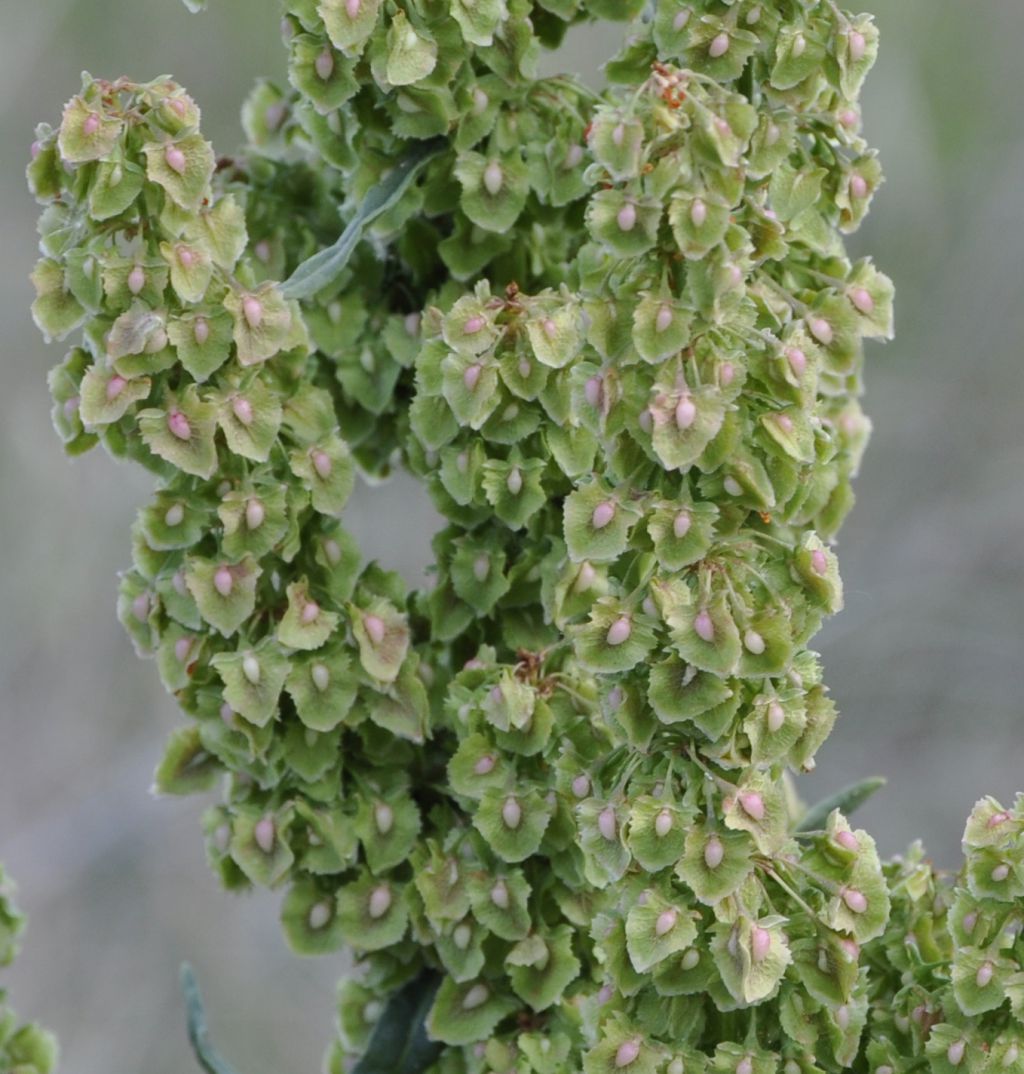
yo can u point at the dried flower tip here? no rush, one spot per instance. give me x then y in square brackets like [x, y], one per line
[719, 45]
[140, 607]
[704, 627]
[984, 975]
[666, 921]
[627, 1053]
[760, 943]
[485, 765]
[681, 524]
[115, 386]
[797, 360]
[821, 330]
[380, 901]
[471, 376]
[319, 915]
[581, 785]
[511, 813]
[686, 412]
[242, 409]
[627, 217]
[861, 298]
[698, 212]
[309, 613]
[383, 817]
[477, 996]
[252, 310]
[324, 64]
[603, 514]
[136, 279]
[619, 631]
[178, 425]
[494, 178]
[482, 567]
[955, 1052]
[855, 900]
[753, 642]
[607, 824]
[374, 627]
[321, 676]
[752, 804]
[847, 840]
[714, 852]
[265, 834]
[321, 463]
[514, 481]
[223, 581]
[663, 823]
[251, 668]
[255, 513]
[175, 159]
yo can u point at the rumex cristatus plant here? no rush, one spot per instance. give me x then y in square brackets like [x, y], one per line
[24, 1048]
[619, 339]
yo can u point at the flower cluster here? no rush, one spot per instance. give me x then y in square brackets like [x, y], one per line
[950, 987]
[619, 339]
[24, 1049]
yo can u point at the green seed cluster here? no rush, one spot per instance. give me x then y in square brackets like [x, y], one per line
[24, 1048]
[619, 339]
[950, 987]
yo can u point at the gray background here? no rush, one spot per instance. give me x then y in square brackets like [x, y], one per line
[925, 662]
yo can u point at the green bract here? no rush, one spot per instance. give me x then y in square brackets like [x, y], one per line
[618, 338]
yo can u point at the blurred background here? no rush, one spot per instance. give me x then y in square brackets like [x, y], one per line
[926, 663]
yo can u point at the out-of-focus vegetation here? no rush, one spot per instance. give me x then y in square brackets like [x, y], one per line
[926, 663]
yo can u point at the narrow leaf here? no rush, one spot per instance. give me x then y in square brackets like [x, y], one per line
[846, 801]
[208, 1057]
[399, 1044]
[323, 268]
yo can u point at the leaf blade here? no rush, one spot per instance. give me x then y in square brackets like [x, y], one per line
[846, 801]
[399, 1042]
[320, 270]
[198, 1034]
